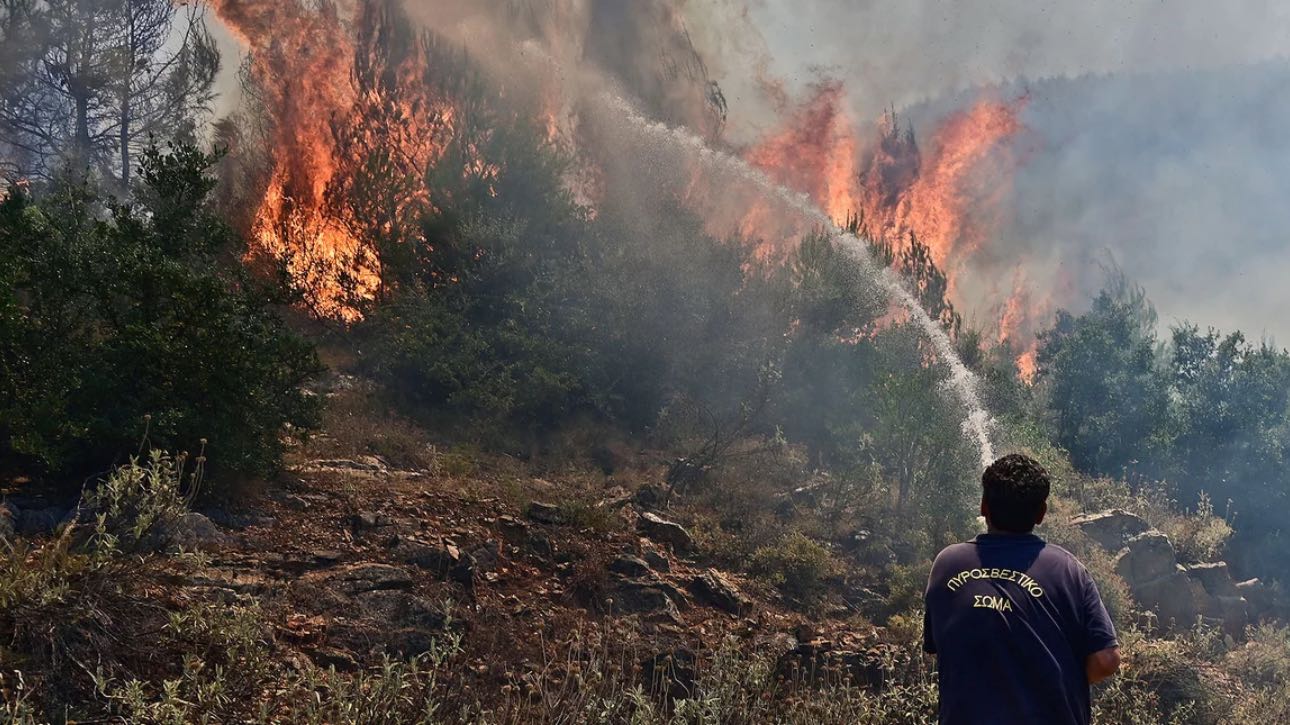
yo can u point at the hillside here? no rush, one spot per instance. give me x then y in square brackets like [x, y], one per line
[388, 572]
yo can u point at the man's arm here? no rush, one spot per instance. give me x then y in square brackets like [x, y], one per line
[1101, 665]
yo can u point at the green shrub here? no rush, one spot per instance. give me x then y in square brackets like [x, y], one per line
[1198, 535]
[113, 312]
[798, 565]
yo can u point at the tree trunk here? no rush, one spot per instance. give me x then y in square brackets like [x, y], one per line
[125, 139]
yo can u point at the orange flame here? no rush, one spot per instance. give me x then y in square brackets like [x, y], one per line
[329, 110]
[816, 153]
[949, 198]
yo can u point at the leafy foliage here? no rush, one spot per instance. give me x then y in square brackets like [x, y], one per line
[113, 313]
[1206, 413]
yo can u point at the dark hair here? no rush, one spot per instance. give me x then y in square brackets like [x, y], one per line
[1016, 488]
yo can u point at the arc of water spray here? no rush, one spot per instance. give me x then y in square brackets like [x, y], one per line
[962, 381]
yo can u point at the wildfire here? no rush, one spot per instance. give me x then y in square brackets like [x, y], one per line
[948, 197]
[948, 206]
[334, 111]
[816, 153]
[350, 133]
[1016, 325]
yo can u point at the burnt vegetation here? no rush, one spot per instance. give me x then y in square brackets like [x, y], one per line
[563, 464]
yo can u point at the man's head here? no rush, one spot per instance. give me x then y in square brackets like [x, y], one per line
[1014, 493]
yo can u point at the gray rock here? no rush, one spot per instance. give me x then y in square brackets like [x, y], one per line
[395, 609]
[1178, 600]
[1145, 558]
[362, 577]
[370, 520]
[633, 597]
[334, 657]
[546, 513]
[38, 522]
[657, 561]
[629, 566]
[194, 532]
[713, 588]
[1215, 577]
[1111, 529]
[668, 532]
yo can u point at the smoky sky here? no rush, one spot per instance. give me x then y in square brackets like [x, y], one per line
[1158, 133]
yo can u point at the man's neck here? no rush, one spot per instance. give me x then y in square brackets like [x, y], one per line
[991, 529]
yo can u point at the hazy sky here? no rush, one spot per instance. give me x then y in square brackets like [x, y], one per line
[900, 51]
[1170, 153]
[1159, 130]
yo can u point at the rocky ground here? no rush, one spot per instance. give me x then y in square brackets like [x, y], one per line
[354, 560]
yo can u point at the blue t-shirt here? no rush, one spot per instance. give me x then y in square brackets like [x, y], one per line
[1011, 620]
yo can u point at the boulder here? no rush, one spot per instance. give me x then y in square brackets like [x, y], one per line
[546, 513]
[1215, 577]
[361, 577]
[634, 597]
[629, 566]
[657, 561]
[194, 532]
[1177, 599]
[1111, 529]
[715, 589]
[399, 609]
[667, 532]
[37, 522]
[1146, 557]
[369, 521]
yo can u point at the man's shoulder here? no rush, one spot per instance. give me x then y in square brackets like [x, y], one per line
[954, 553]
[1058, 555]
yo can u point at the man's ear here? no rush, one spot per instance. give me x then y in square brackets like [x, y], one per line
[1043, 511]
[985, 510]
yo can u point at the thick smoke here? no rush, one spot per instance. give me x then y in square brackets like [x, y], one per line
[1153, 130]
[1155, 139]
[904, 52]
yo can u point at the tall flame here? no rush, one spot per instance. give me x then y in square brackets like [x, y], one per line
[949, 197]
[329, 108]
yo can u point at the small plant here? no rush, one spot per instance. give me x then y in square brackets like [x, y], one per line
[1198, 535]
[797, 565]
[139, 502]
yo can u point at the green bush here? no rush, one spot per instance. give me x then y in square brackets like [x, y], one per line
[112, 312]
[798, 565]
